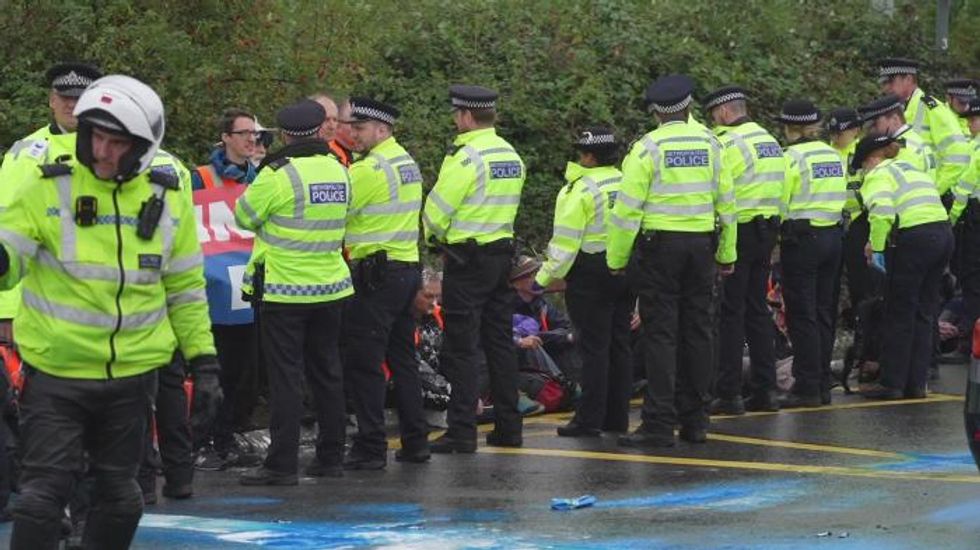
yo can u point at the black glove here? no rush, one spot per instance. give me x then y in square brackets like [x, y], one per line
[207, 395]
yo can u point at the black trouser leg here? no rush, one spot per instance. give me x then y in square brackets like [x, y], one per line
[381, 325]
[403, 363]
[969, 275]
[474, 295]
[590, 305]
[828, 284]
[61, 419]
[800, 264]
[657, 273]
[238, 355]
[496, 330]
[173, 424]
[620, 359]
[855, 262]
[915, 268]
[759, 328]
[324, 373]
[732, 320]
[695, 336]
[284, 338]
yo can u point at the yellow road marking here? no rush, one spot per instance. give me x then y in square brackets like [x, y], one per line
[736, 464]
[805, 446]
[933, 398]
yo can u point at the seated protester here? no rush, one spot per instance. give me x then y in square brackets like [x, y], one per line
[428, 341]
[555, 335]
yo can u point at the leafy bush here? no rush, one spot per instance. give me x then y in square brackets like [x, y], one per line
[558, 65]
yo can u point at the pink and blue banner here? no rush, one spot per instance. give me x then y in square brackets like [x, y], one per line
[226, 250]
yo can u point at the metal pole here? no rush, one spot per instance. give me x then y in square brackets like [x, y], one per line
[942, 24]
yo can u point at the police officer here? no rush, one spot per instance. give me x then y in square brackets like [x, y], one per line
[674, 185]
[599, 304]
[932, 119]
[296, 207]
[908, 218]
[66, 81]
[382, 239]
[755, 160]
[884, 115]
[115, 276]
[810, 250]
[965, 213]
[959, 92]
[469, 215]
[844, 131]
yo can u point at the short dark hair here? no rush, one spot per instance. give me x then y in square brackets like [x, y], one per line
[606, 155]
[484, 117]
[683, 114]
[227, 123]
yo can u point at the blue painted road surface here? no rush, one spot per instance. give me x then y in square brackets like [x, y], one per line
[854, 475]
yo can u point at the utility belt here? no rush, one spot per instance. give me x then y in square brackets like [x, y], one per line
[920, 227]
[470, 251]
[971, 214]
[652, 237]
[763, 225]
[792, 231]
[371, 271]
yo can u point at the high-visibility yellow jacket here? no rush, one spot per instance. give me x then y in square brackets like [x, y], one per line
[898, 193]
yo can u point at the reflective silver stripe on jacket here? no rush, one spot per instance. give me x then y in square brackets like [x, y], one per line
[197, 295]
[91, 318]
[488, 227]
[479, 195]
[382, 237]
[299, 246]
[283, 289]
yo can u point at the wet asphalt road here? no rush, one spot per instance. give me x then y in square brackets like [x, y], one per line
[857, 474]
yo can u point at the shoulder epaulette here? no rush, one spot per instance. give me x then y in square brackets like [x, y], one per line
[55, 170]
[930, 101]
[278, 163]
[165, 176]
[453, 149]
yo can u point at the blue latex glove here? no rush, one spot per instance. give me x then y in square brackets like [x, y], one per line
[562, 504]
[878, 261]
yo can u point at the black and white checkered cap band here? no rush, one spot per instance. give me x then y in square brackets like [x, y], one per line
[669, 109]
[897, 69]
[811, 117]
[588, 138]
[71, 80]
[472, 104]
[962, 92]
[722, 99]
[301, 133]
[372, 113]
[868, 115]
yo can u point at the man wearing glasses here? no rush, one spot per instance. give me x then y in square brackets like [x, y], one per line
[233, 323]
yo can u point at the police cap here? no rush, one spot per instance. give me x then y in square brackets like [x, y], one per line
[843, 119]
[724, 95]
[465, 96]
[972, 108]
[891, 66]
[869, 144]
[71, 79]
[669, 94]
[963, 88]
[880, 106]
[595, 137]
[799, 112]
[364, 108]
[301, 119]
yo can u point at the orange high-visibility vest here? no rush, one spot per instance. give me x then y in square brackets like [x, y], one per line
[210, 177]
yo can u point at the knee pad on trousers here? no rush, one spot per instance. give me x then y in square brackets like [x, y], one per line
[117, 496]
[43, 497]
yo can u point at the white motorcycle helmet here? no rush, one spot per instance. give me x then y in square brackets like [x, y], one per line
[122, 105]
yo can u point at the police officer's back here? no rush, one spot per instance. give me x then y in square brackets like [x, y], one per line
[469, 214]
[674, 188]
[115, 286]
[296, 207]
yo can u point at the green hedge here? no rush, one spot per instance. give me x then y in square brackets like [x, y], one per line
[559, 65]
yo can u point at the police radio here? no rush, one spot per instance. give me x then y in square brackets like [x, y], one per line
[86, 209]
[149, 217]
